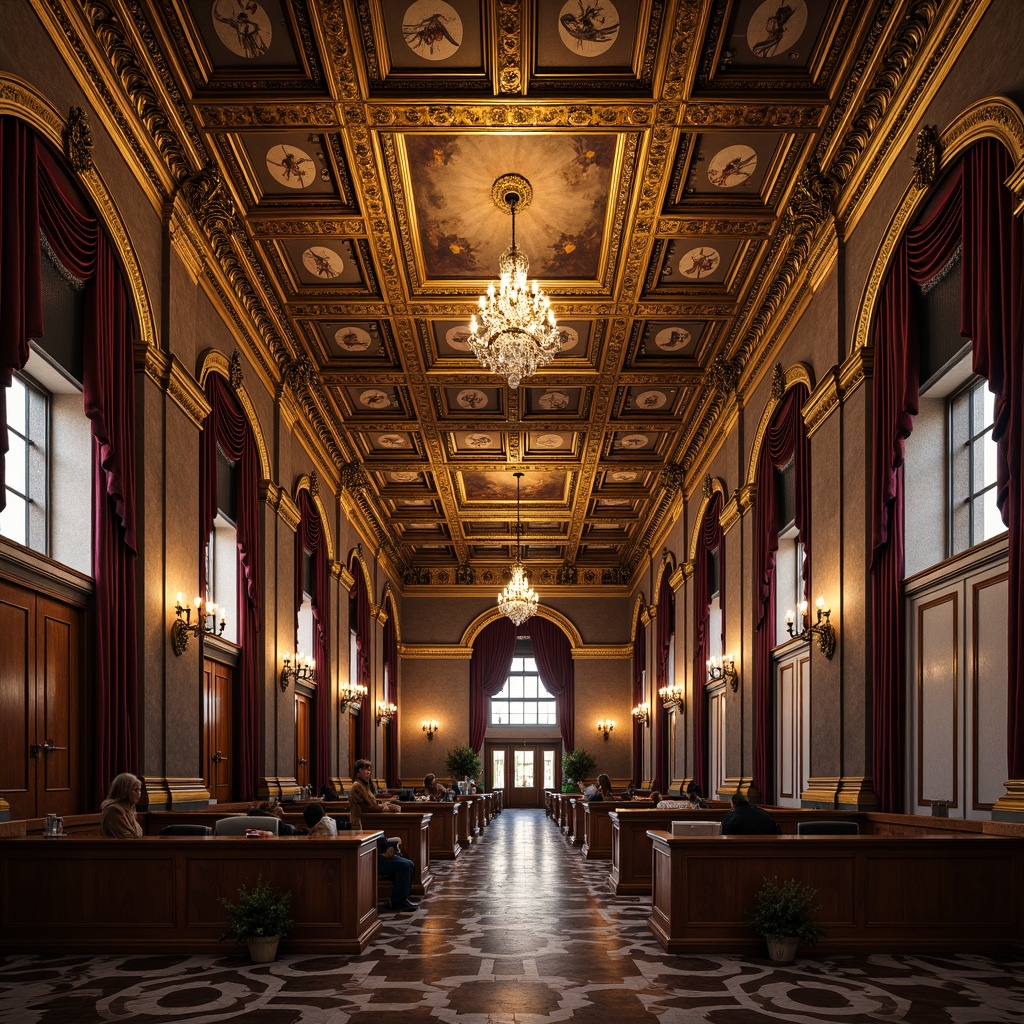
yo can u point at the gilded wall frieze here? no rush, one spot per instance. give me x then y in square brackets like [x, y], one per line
[824, 400]
[270, 115]
[277, 498]
[683, 54]
[927, 156]
[757, 227]
[207, 196]
[510, 50]
[270, 228]
[751, 115]
[171, 377]
[341, 61]
[77, 139]
[519, 116]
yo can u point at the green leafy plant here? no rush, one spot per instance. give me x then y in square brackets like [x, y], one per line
[259, 911]
[782, 911]
[578, 764]
[463, 762]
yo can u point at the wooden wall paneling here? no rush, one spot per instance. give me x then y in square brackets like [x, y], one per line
[303, 751]
[60, 658]
[218, 730]
[17, 699]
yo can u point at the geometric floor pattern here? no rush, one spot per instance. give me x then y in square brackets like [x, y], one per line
[519, 930]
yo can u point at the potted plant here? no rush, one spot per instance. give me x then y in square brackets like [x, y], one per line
[782, 914]
[577, 765]
[258, 919]
[463, 763]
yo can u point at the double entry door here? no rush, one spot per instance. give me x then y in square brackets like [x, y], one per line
[523, 770]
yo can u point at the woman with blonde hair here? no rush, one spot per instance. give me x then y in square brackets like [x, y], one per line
[117, 813]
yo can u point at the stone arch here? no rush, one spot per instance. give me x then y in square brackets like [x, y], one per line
[486, 618]
[717, 487]
[357, 563]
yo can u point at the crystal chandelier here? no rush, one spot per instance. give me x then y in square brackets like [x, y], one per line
[516, 332]
[518, 601]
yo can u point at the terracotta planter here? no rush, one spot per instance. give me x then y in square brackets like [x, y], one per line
[782, 951]
[263, 950]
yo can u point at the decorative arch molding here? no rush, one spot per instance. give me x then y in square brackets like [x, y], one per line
[716, 487]
[486, 618]
[19, 99]
[798, 373]
[994, 117]
[305, 483]
[668, 565]
[389, 595]
[357, 563]
[212, 361]
[641, 611]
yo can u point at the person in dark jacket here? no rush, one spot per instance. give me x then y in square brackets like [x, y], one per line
[272, 809]
[746, 820]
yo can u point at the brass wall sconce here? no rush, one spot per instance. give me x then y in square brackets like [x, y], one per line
[183, 627]
[304, 668]
[605, 726]
[821, 627]
[724, 669]
[430, 727]
[672, 697]
[385, 712]
[642, 714]
[351, 696]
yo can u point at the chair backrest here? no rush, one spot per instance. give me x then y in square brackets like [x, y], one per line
[237, 826]
[827, 828]
[186, 830]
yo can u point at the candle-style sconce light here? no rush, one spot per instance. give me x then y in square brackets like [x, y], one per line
[605, 726]
[672, 697]
[205, 623]
[821, 628]
[642, 713]
[351, 696]
[430, 727]
[385, 712]
[724, 669]
[304, 668]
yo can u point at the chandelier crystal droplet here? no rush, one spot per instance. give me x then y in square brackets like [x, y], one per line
[518, 601]
[515, 331]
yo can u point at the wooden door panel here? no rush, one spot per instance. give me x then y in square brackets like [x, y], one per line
[17, 700]
[59, 660]
[302, 738]
[218, 746]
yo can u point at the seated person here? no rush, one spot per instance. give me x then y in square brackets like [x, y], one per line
[695, 795]
[390, 862]
[328, 792]
[117, 813]
[655, 797]
[318, 822]
[432, 789]
[602, 791]
[746, 820]
[272, 809]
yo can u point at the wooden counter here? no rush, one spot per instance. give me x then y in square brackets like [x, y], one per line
[412, 828]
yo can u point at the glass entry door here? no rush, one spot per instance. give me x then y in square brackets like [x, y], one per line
[523, 770]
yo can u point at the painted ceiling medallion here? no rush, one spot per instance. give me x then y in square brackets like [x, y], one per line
[470, 398]
[458, 338]
[353, 339]
[553, 400]
[732, 166]
[432, 29]
[650, 400]
[374, 399]
[549, 441]
[291, 166]
[323, 262]
[588, 29]
[634, 441]
[698, 263]
[672, 339]
[242, 26]
[775, 27]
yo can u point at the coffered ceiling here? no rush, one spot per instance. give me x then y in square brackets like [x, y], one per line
[684, 158]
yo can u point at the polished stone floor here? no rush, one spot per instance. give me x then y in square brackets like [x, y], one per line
[519, 930]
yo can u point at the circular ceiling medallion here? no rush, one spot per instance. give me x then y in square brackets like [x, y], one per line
[471, 398]
[479, 440]
[633, 441]
[322, 262]
[732, 166]
[672, 339]
[458, 338]
[588, 29]
[432, 29]
[650, 399]
[291, 166]
[623, 476]
[511, 190]
[352, 339]
[374, 399]
[405, 476]
[701, 262]
[392, 441]
[569, 337]
[554, 401]
[549, 441]
[776, 26]
[244, 28]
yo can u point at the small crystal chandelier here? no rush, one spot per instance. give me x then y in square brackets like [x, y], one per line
[516, 332]
[518, 601]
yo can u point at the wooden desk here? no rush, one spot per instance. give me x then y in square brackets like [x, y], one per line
[85, 894]
[597, 829]
[468, 827]
[413, 829]
[444, 828]
[927, 893]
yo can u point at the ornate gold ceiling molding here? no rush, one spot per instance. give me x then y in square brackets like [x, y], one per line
[804, 117]
[996, 117]
[311, 483]
[236, 116]
[750, 227]
[434, 652]
[340, 572]
[797, 373]
[352, 227]
[341, 60]
[169, 374]
[510, 47]
[520, 116]
[680, 574]
[683, 54]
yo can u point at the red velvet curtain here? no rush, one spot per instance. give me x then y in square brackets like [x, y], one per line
[785, 438]
[639, 666]
[36, 196]
[391, 661]
[709, 539]
[493, 651]
[553, 653]
[664, 627]
[310, 537]
[227, 428]
[361, 597]
[920, 256]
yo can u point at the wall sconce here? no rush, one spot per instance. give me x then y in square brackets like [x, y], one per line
[724, 669]
[821, 628]
[642, 714]
[430, 728]
[351, 696]
[605, 727]
[183, 627]
[385, 712]
[304, 668]
[672, 697]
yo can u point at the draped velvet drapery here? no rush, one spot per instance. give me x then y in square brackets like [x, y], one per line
[227, 428]
[390, 644]
[639, 667]
[493, 651]
[785, 438]
[553, 654]
[310, 537]
[36, 198]
[709, 539]
[360, 597]
[664, 628]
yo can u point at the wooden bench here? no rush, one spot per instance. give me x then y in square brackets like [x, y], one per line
[91, 894]
[412, 829]
[959, 891]
[444, 828]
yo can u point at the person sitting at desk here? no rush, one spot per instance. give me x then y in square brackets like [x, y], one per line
[117, 813]
[390, 862]
[695, 795]
[603, 790]
[272, 809]
[433, 790]
[746, 820]
[318, 822]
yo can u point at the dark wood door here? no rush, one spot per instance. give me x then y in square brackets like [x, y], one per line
[528, 769]
[303, 747]
[41, 756]
[218, 743]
